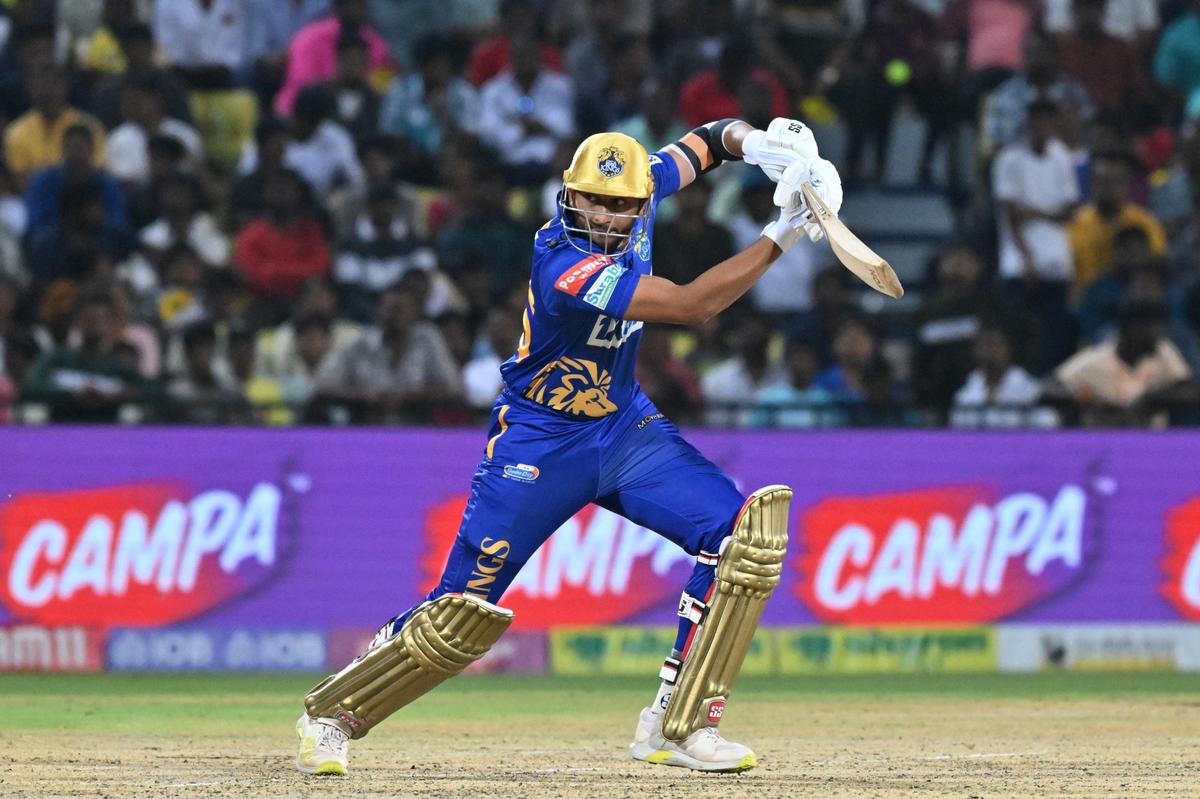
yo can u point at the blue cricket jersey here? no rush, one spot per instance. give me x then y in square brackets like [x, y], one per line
[577, 353]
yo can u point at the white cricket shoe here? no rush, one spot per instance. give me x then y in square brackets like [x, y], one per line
[324, 749]
[703, 750]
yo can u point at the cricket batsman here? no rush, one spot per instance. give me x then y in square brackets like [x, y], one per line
[572, 426]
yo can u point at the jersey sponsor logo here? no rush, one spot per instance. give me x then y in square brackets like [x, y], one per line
[602, 289]
[141, 554]
[522, 472]
[1181, 566]
[597, 568]
[571, 281]
[959, 554]
[611, 333]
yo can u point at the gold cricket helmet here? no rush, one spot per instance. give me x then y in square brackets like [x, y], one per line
[610, 163]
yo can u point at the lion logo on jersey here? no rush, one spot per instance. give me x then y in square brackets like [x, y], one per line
[611, 162]
[582, 389]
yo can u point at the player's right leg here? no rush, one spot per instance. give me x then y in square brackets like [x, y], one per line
[533, 477]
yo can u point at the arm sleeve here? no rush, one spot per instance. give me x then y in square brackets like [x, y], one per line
[665, 174]
[588, 284]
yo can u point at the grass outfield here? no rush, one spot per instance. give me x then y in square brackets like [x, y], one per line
[205, 735]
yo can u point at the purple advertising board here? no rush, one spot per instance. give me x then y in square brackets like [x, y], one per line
[341, 529]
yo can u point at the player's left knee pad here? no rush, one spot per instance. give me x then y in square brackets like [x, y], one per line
[438, 640]
[748, 570]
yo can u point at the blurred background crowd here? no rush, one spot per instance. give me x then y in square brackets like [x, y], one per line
[321, 211]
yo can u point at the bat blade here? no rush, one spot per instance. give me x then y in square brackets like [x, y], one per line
[850, 250]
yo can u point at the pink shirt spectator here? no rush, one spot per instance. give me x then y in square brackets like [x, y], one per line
[996, 30]
[312, 57]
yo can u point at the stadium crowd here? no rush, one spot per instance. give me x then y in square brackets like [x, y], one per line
[321, 211]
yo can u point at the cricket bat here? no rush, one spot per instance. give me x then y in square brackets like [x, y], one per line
[850, 250]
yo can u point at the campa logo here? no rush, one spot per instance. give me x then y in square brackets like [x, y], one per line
[597, 568]
[948, 555]
[1181, 566]
[133, 555]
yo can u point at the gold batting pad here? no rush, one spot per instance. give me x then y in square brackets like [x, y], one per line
[747, 572]
[440, 639]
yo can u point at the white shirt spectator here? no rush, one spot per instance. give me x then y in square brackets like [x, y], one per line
[328, 158]
[191, 35]
[551, 101]
[128, 158]
[1045, 182]
[787, 286]
[1125, 19]
[974, 402]
[482, 381]
[204, 236]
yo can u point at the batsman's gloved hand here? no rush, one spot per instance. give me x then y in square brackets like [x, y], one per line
[825, 181]
[787, 229]
[782, 143]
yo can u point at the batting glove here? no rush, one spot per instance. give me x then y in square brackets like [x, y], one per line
[825, 181]
[787, 229]
[783, 142]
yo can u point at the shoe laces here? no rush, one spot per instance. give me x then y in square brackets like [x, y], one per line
[711, 733]
[332, 739]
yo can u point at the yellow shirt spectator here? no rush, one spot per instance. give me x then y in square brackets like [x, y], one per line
[32, 143]
[1096, 224]
[1092, 238]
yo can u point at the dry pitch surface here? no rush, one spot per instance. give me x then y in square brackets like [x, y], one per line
[962, 736]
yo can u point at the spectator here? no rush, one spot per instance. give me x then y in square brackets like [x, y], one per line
[128, 143]
[481, 375]
[525, 111]
[165, 158]
[714, 93]
[855, 349]
[482, 233]
[355, 101]
[997, 393]
[95, 45]
[246, 199]
[1104, 65]
[517, 18]
[203, 393]
[204, 40]
[312, 55]
[278, 252]
[667, 379]
[64, 190]
[431, 102]
[381, 250]
[656, 123]
[273, 25]
[833, 302]
[312, 347]
[947, 323]
[1095, 225]
[797, 402]
[1098, 309]
[321, 151]
[786, 289]
[180, 300]
[1109, 381]
[678, 242]
[137, 46]
[90, 382]
[278, 356]
[1005, 112]
[403, 366]
[738, 379]
[1036, 195]
[185, 220]
[1133, 21]
[1177, 60]
[29, 50]
[34, 141]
